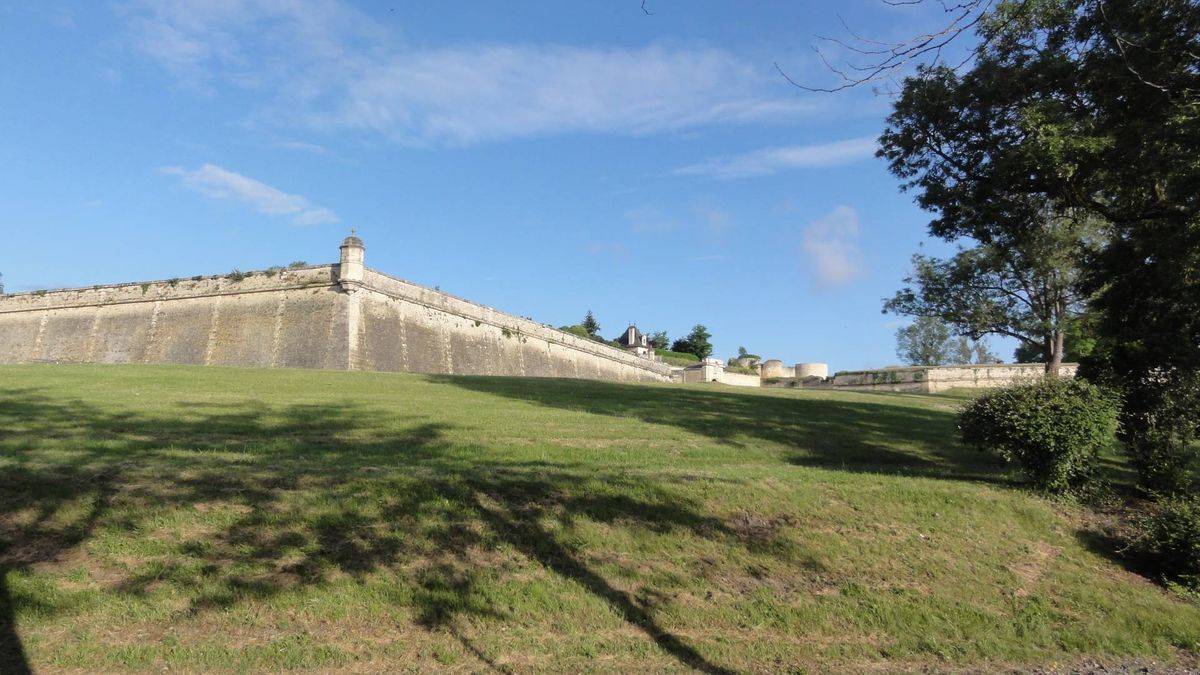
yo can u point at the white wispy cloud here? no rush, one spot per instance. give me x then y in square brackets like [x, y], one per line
[831, 254]
[302, 146]
[350, 75]
[614, 249]
[252, 44]
[774, 160]
[648, 219]
[217, 183]
[483, 93]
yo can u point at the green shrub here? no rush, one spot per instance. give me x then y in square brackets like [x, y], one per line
[1170, 538]
[580, 330]
[1052, 429]
[1161, 433]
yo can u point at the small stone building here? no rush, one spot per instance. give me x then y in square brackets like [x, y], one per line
[635, 342]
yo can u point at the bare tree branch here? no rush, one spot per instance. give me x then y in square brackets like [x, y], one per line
[884, 59]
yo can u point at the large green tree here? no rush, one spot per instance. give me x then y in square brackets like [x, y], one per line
[924, 342]
[1079, 342]
[1093, 106]
[1021, 281]
[696, 342]
[928, 341]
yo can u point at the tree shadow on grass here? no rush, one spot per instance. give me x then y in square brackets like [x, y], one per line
[317, 493]
[882, 434]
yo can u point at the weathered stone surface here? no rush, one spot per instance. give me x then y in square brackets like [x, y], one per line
[805, 370]
[712, 370]
[932, 379]
[304, 318]
[774, 368]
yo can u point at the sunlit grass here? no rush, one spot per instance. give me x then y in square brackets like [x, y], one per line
[222, 519]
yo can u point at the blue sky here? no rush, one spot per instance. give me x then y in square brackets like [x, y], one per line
[542, 158]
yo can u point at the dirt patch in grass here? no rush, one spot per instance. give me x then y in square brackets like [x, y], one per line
[759, 531]
[1030, 569]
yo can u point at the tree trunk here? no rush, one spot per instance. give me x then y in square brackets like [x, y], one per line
[1056, 356]
[1048, 354]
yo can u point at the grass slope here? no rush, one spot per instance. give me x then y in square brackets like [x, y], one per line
[217, 519]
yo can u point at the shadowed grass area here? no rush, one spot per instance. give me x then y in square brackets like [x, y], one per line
[220, 519]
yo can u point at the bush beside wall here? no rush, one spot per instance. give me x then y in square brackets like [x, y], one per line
[1052, 429]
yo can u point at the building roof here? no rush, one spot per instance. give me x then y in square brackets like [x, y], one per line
[639, 338]
[352, 240]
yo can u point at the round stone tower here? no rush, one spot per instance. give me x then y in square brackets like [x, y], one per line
[773, 368]
[350, 265]
[804, 370]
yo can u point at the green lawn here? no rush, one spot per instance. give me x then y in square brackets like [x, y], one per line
[206, 519]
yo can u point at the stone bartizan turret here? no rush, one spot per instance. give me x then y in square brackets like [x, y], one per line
[350, 266]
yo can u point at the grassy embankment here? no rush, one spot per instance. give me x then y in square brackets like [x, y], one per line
[677, 358]
[221, 519]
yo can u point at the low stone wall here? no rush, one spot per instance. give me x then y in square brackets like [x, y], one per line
[703, 372]
[739, 379]
[710, 372]
[932, 379]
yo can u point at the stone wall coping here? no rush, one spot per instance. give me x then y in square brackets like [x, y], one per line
[892, 369]
[153, 282]
[260, 281]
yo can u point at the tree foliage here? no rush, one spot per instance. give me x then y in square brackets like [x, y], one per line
[1079, 342]
[1021, 278]
[923, 342]
[696, 342]
[590, 324]
[1082, 106]
[744, 354]
[928, 341]
[967, 351]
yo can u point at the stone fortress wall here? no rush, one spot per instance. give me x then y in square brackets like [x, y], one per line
[346, 316]
[774, 369]
[923, 379]
[410, 328]
[341, 316]
[932, 379]
[286, 319]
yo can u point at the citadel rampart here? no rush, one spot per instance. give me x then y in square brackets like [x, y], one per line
[932, 379]
[342, 316]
